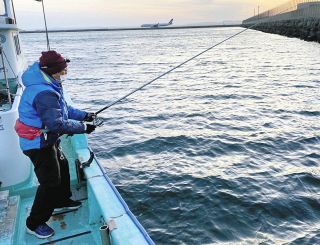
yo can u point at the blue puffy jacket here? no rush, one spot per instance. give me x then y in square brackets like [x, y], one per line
[43, 106]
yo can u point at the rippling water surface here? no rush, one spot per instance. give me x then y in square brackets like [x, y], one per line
[226, 150]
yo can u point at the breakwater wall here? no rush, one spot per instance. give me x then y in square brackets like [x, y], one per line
[294, 19]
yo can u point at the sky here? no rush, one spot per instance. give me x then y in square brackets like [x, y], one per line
[64, 14]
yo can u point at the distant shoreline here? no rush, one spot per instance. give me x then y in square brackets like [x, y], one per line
[131, 29]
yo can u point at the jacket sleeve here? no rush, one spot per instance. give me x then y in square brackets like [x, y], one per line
[76, 114]
[51, 115]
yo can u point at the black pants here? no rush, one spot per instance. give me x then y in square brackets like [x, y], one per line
[52, 170]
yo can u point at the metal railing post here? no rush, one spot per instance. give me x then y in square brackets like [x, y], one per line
[5, 76]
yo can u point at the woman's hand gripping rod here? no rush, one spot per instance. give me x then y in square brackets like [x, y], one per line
[91, 118]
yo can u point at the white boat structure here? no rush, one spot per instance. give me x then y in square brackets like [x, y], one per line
[104, 217]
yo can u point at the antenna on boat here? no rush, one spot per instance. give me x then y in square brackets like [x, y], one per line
[14, 12]
[45, 23]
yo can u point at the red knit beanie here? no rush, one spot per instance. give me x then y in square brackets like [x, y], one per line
[52, 62]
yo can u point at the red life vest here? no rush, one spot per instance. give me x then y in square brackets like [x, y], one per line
[27, 132]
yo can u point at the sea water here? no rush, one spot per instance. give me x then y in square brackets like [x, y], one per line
[225, 150]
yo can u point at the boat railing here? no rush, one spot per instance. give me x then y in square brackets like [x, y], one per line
[6, 91]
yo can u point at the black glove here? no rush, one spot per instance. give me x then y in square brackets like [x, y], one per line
[90, 117]
[90, 128]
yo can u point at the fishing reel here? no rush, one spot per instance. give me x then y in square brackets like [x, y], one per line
[98, 122]
[93, 119]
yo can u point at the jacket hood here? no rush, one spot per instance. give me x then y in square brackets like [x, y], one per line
[34, 76]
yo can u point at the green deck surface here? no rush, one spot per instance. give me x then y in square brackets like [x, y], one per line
[71, 227]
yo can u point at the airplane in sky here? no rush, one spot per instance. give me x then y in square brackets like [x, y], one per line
[157, 25]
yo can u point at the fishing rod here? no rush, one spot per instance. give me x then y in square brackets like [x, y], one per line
[172, 69]
[158, 77]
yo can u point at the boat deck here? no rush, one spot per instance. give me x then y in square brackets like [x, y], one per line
[71, 227]
[101, 205]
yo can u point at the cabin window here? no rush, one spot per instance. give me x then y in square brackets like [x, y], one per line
[17, 44]
[2, 8]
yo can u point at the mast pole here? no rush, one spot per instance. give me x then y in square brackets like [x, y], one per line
[45, 23]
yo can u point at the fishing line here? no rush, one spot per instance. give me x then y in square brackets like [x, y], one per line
[174, 68]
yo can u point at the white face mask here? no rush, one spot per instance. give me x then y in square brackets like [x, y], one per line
[58, 76]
